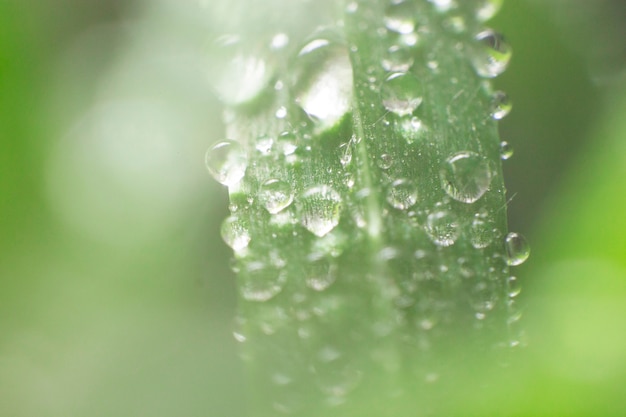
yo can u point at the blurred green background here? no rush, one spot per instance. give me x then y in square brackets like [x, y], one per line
[115, 294]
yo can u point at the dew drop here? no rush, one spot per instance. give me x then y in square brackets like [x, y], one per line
[500, 105]
[443, 6]
[384, 161]
[320, 210]
[345, 154]
[400, 17]
[321, 274]
[261, 282]
[493, 54]
[286, 143]
[411, 128]
[264, 144]
[279, 41]
[275, 195]
[324, 82]
[517, 249]
[487, 9]
[227, 162]
[281, 113]
[397, 59]
[235, 233]
[481, 234]
[401, 93]
[466, 176]
[506, 150]
[442, 228]
[455, 24]
[402, 194]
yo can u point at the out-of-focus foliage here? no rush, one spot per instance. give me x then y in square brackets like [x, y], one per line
[115, 293]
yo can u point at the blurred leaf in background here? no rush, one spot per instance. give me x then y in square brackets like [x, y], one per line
[115, 292]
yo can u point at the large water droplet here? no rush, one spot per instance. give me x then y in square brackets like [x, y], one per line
[235, 233]
[324, 80]
[237, 74]
[275, 195]
[401, 93]
[227, 162]
[466, 176]
[487, 9]
[493, 54]
[320, 210]
[400, 17]
[501, 105]
[402, 194]
[517, 249]
[442, 228]
[260, 281]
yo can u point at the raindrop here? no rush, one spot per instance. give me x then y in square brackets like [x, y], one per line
[324, 83]
[400, 17]
[402, 194]
[500, 105]
[493, 54]
[227, 162]
[466, 176]
[320, 210]
[487, 9]
[397, 59]
[401, 93]
[235, 233]
[506, 150]
[442, 228]
[481, 234]
[517, 249]
[411, 128]
[321, 274]
[261, 282]
[275, 195]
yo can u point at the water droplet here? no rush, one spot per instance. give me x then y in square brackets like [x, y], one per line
[455, 24]
[401, 93]
[279, 41]
[517, 249]
[287, 143]
[345, 153]
[481, 234]
[281, 113]
[397, 59]
[235, 233]
[493, 54]
[500, 105]
[487, 9]
[402, 194]
[514, 287]
[324, 81]
[320, 210]
[321, 274]
[227, 162]
[442, 228]
[466, 176]
[261, 282]
[443, 6]
[400, 17]
[238, 75]
[411, 128]
[264, 144]
[275, 195]
[506, 150]
[385, 161]
[352, 7]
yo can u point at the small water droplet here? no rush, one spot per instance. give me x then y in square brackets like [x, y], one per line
[287, 143]
[384, 161]
[279, 41]
[324, 81]
[401, 93]
[345, 153]
[235, 233]
[281, 113]
[517, 249]
[227, 162]
[481, 234]
[506, 150]
[320, 210]
[397, 59]
[321, 274]
[455, 24]
[275, 195]
[514, 287]
[264, 144]
[400, 17]
[402, 194]
[487, 9]
[466, 176]
[492, 55]
[443, 6]
[501, 105]
[442, 228]
[261, 282]
[352, 7]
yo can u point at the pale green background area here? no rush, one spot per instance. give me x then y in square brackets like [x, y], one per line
[115, 293]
